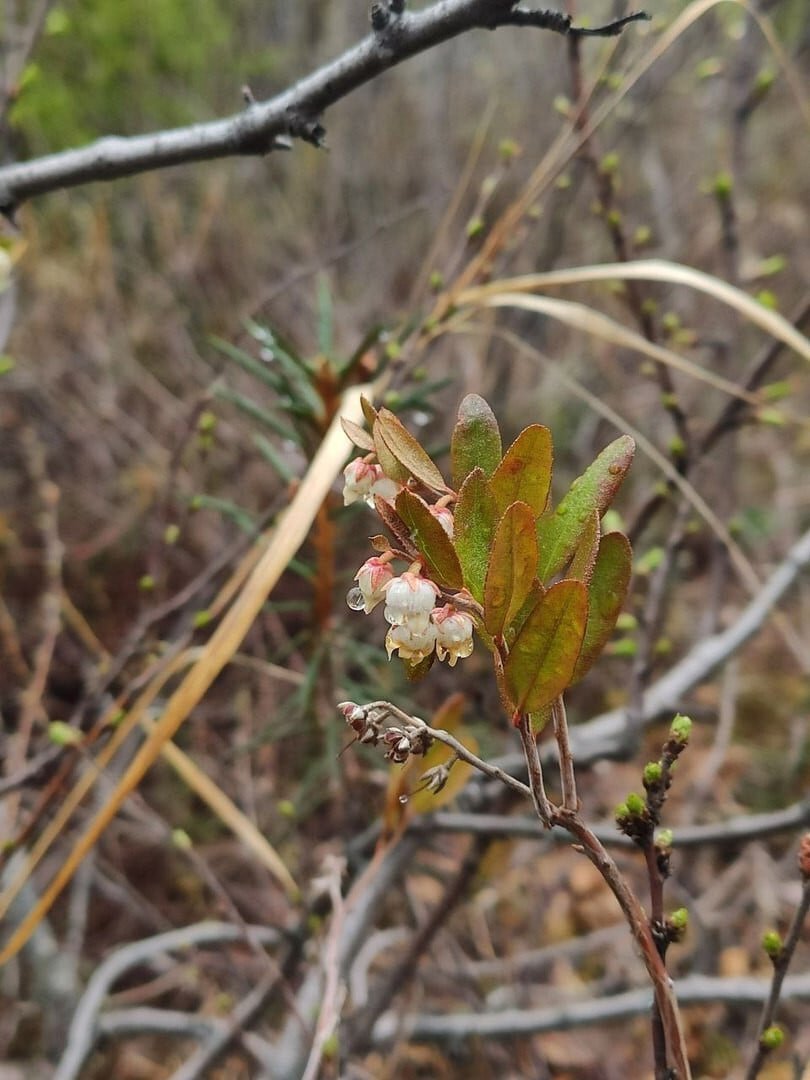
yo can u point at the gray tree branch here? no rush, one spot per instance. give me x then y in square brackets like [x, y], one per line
[296, 112]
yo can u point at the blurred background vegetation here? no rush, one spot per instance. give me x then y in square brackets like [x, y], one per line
[137, 307]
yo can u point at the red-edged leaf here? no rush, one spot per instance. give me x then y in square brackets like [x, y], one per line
[544, 654]
[524, 474]
[394, 523]
[559, 533]
[512, 564]
[584, 558]
[475, 519]
[606, 595]
[476, 440]
[407, 451]
[359, 436]
[434, 545]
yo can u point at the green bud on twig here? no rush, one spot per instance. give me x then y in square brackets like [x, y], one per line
[652, 773]
[772, 943]
[681, 729]
[772, 1037]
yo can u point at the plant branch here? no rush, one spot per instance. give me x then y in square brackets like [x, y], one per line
[518, 1023]
[296, 112]
[780, 967]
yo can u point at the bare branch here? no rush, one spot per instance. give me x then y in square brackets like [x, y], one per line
[296, 112]
[515, 1023]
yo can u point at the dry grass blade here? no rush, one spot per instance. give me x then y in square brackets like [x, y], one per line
[230, 814]
[287, 537]
[581, 317]
[655, 270]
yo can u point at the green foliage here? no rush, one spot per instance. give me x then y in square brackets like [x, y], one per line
[507, 548]
[105, 67]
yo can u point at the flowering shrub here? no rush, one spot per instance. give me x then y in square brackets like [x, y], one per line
[542, 587]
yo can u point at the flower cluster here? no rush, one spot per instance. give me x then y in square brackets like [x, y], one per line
[418, 624]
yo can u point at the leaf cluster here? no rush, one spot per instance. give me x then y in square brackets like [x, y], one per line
[544, 584]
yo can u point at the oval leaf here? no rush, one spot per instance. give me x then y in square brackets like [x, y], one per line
[434, 545]
[412, 457]
[475, 520]
[545, 652]
[359, 436]
[559, 533]
[584, 558]
[512, 565]
[606, 595]
[524, 475]
[476, 440]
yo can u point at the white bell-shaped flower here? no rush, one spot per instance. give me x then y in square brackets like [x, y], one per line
[409, 600]
[372, 579]
[454, 633]
[414, 642]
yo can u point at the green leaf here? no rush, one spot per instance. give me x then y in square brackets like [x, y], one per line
[397, 444]
[606, 595]
[545, 652]
[559, 533]
[474, 523]
[524, 474]
[584, 558]
[541, 718]
[432, 542]
[476, 440]
[418, 669]
[512, 565]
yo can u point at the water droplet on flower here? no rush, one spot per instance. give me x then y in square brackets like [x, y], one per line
[355, 599]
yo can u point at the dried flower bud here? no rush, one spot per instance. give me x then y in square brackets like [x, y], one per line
[435, 779]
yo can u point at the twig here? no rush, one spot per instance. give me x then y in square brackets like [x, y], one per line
[295, 112]
[780, 967]
[403, 972]
[217, 1041]
[516, 1023]
[567, 776]
[736, 830]
[85, 1023]
[334, 992]
[490, 770]
[145, 1020]
[538, 791]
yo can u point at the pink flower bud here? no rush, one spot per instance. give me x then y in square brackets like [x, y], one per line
[454, 633]
[409, 600]
[372, 579]
[360, 476]
[413, 643]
